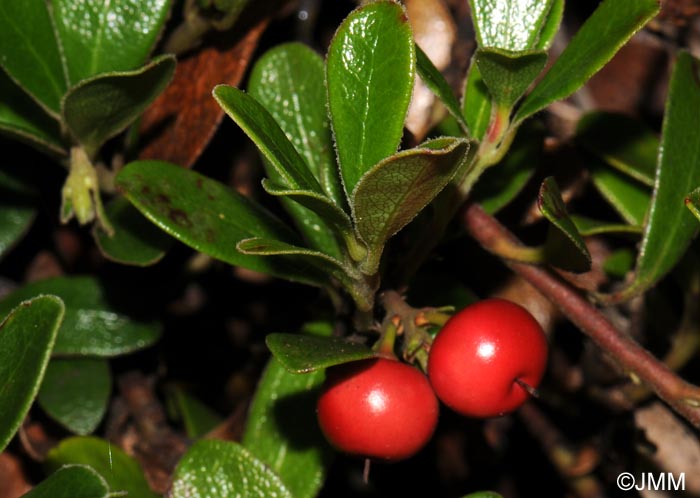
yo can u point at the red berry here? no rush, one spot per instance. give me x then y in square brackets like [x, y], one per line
[481, 352]
[377, 408]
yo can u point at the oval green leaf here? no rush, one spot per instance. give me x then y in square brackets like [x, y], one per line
[122, 473]
[136, 241]
[393, 192]
[370, 70]
[224, 470]
[99, 108]
[565, 247]
[621, 141]
[282, 430]
[670, 228]
[30, 54]
[71, 481]
[551, 25]
[304, 353]
[99, 37]
[288, 81]
[22, 118]
[513, 25]
[210, 217]
[27, 336]
[92, 326]
[588, 51]
[272, 142]
[75, 392]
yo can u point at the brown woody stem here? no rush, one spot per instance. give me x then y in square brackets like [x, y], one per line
[631, 357]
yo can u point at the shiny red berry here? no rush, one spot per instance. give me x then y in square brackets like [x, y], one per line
[482, 355]
[377, 408]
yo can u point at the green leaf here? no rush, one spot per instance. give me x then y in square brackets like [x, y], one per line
[99, 108]
[24, 119]
[99, 37]
[29, 52]
[92, 326]
[437, 83]
[136, 241]
[197, 417]
[565, 247]
[600, 37]
[75, 392]
[670, 228]
[476, 102]
[224, 470]
[209, 216]
[619, 263]
[273, 144]
[509, 24]
[588, 226]
[27, 336]
[392, 193]
[629, 198]
[370, 71]
[551, 25]
[71, 481]
[17, 210]
[508, 74]
[121, 472]
[288, 81]
[261, 246]
[303, 353]
[282, 430]
[623, 142]
[500, 184]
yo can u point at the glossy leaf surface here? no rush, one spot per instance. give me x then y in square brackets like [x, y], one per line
[71, 481]
[509, 25]
[225, 470]
[670, 227]
[29, 52]
[392, 193]
[209, 216]
[122, 473]
[27, 336]
[99, 37]
[136, 241]
[92, 326]
[99, 108]
[370, 73]
[303, 353]
[282, 430]
[288, 81]
[24, 119]
[75, 392]
[565, 247]
[600, 37]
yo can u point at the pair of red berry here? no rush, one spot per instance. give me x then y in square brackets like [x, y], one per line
[479, 365]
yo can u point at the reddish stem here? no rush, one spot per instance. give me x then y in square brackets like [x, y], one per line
[631, 357]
